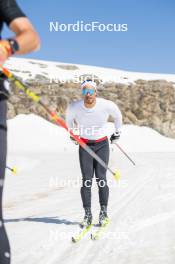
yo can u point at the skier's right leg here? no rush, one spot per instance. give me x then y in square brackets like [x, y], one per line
[87, 170]
[4, 243]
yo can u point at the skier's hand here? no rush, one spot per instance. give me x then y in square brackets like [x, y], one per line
[5, 51]
[73, 140]
[115, 137]
[4, 86]
[75, 131]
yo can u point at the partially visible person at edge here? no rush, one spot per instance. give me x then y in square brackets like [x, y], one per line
[24, 40]
[91, 114]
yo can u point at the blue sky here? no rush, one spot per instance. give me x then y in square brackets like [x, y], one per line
[147, 46]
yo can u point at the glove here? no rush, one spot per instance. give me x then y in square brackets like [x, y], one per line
[4, 87]
[73, 140]
[115, 137]
[75, 132]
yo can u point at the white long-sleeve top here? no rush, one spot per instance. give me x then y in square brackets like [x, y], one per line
[92, 122]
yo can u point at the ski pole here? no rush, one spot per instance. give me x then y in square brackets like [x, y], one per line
[125, 153]
[58, 120]
[14, 170]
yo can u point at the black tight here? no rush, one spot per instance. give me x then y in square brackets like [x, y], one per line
[89, 166]
[4, 243]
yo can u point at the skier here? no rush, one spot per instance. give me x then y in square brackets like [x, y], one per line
[91, 115]
[24, 41]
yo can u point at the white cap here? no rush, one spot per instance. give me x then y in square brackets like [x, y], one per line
[93, 84]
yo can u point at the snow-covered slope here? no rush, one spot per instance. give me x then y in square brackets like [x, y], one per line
[47, 137]
[43, 207]
[29, 68]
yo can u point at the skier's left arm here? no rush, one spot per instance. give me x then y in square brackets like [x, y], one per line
[115, 112]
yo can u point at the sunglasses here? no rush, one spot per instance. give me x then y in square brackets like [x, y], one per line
[86, 91]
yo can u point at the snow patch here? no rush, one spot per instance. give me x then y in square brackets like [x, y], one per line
[32, 133]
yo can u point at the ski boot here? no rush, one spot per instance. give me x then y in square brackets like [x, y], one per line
[103, 217]
[87, 221]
